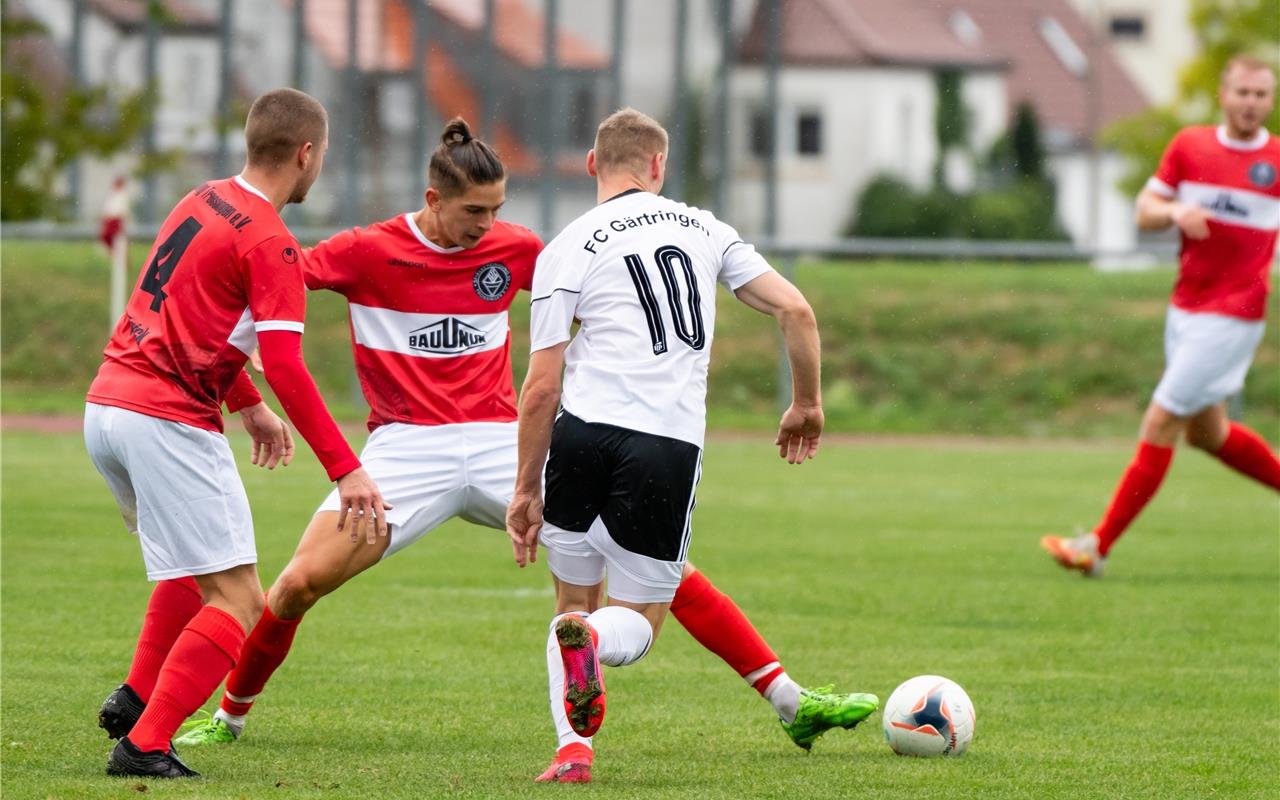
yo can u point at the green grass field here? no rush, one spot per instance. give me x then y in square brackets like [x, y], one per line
[878, 561]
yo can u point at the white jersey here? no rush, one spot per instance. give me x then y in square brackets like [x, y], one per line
[639, 272]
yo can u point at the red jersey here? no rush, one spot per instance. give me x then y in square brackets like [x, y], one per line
[1229, 272]
[429, 324]
[223, 267]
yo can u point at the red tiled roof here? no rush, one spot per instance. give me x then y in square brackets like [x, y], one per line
[1011, 29]
[918, 32]
[864, 32]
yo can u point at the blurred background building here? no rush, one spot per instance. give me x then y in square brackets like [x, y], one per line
[786, 115]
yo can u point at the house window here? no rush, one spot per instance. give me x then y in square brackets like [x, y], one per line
[1128, 26]
[761, 133]
[809, 134]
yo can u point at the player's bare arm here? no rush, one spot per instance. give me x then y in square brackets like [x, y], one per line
[800, 429]
[539, 399]
[1157, 213]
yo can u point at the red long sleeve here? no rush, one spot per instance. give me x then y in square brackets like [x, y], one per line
[297, 392]
[243, 393]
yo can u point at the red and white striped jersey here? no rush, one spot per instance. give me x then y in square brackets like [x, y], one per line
[428, 324]
[1229, 272]
[223, 267]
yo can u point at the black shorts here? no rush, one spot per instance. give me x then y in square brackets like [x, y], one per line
[641, 485]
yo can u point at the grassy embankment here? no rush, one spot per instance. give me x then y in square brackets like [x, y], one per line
[989, 349]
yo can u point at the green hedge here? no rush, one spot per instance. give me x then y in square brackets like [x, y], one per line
[907, 347]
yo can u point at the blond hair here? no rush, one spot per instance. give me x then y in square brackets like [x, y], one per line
[1247, 62]
[279, 123]
[626, 140]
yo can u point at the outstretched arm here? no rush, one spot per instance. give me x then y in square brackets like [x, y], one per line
[800, 429]
[539, 400]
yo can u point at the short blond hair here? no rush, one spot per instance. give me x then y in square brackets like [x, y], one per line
[1247, 62]
[626, 140]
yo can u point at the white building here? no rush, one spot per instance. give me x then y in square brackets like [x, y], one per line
[113, 54]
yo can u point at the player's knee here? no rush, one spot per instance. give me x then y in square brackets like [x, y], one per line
[1205, 439]
[293, 594]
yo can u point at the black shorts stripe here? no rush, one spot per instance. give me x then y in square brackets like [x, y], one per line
[640, 484]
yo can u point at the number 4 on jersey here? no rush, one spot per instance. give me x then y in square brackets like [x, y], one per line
[168, 254]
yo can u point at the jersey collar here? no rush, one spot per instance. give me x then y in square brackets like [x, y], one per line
[250, 188]
[1258, 141]
[413, 226]
[632, 190]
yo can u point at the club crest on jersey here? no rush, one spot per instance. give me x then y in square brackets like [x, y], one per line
[1262, 174]
[492, 280]
[447, 337]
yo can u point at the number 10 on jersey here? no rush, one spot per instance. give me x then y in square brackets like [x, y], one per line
[688, 328]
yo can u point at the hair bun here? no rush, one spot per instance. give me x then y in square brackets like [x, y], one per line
[457, 132]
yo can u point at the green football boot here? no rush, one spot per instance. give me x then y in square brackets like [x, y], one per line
[821, 710]
[205, 730]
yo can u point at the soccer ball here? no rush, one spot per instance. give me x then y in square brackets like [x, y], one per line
[929, 716]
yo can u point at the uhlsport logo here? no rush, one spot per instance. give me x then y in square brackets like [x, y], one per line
[491, 281]
[449, 336]
[1262, 174]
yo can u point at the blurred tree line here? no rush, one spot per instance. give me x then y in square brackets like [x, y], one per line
[1223, 28]
[50, 122]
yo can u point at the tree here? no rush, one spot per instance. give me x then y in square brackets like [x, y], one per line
[1223, 28]
[46, 128]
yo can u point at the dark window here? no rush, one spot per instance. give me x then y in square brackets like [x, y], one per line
[582, 117]
[761, 133]
[1128, 27]
[809, 134]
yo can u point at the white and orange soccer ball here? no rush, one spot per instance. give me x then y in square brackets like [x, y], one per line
[929, 716]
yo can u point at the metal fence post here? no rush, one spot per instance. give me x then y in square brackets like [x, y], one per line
[421, 48]
[725, 16]
[550, 109]
[678, 145]
[222, 112]
[349, 203]
[152, 44]
[619, 42]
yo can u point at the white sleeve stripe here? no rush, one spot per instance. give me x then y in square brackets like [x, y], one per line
[1160, 187]
[278, 325]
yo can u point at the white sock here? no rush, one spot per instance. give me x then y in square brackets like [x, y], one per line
[625, 635]
[784, 695]
[236, 724]
[555, 680]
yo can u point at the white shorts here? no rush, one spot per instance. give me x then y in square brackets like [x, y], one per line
[177, 488]
[582, 558]
[1206, 359]
[431, 473]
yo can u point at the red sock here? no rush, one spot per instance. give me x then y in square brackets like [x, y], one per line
[711, 617]
[1248, 453]
[173, 603]
[265, 650]
[199, 660]
[1135, 490]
